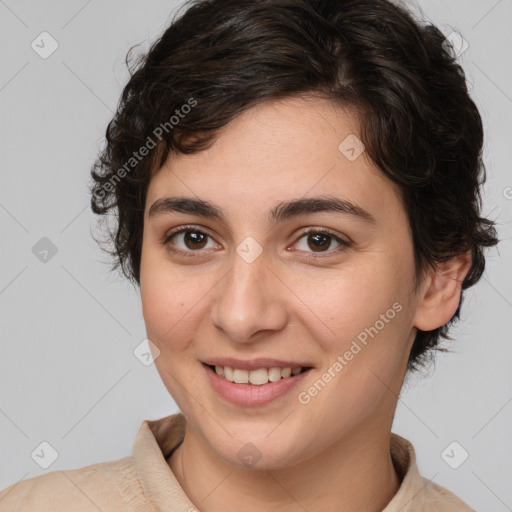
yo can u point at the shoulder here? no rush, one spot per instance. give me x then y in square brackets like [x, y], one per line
[439, 499]
[102, 486]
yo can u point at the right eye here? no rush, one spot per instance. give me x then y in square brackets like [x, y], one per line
[187, 240]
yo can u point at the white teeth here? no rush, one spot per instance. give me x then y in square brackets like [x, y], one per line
[256, 377]
[228, 373]
[274, 374]
[240, 376]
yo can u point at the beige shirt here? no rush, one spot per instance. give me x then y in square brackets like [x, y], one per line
[145, 482]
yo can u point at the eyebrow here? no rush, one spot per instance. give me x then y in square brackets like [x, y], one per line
[283, 211]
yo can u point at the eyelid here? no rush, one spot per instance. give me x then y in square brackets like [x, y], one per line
[187, 227]
[326, 231]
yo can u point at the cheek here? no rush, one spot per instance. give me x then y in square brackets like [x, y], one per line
[170, 311]
[354, 300]
[163, 299]
[164, 307]
[365, 318]
[172, 304]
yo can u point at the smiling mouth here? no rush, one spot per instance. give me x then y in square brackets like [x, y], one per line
[258, 377]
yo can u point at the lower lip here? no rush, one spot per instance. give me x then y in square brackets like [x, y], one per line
[250, 394]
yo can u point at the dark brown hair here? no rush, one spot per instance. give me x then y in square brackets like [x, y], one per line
[219, 58]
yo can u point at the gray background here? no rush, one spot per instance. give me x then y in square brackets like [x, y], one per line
[68, 375]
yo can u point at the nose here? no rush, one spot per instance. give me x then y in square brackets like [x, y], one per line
[249, 301]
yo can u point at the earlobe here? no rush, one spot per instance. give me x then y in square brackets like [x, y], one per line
[440, 295]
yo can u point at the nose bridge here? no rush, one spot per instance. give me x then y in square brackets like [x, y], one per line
[246, 302]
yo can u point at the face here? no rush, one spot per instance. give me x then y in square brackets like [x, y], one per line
[256, 277]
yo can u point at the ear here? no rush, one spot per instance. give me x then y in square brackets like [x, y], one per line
[440, 294]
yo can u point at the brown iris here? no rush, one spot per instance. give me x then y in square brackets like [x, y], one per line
[195, 239]
[318, 239]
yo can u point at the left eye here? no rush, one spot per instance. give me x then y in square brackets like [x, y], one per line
[319, 241]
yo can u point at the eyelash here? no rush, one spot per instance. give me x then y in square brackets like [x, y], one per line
[344, 244]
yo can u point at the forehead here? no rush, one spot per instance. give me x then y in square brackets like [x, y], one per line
[279, 150]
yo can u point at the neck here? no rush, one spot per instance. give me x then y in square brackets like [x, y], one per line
[357, 473]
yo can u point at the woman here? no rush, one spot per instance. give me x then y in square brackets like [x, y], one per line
[297, 191]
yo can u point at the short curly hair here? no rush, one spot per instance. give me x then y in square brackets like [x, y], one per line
[219, 58]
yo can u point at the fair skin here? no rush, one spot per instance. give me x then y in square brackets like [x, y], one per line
[331, 454]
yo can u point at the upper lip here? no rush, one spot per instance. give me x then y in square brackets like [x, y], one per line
[254, 364]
